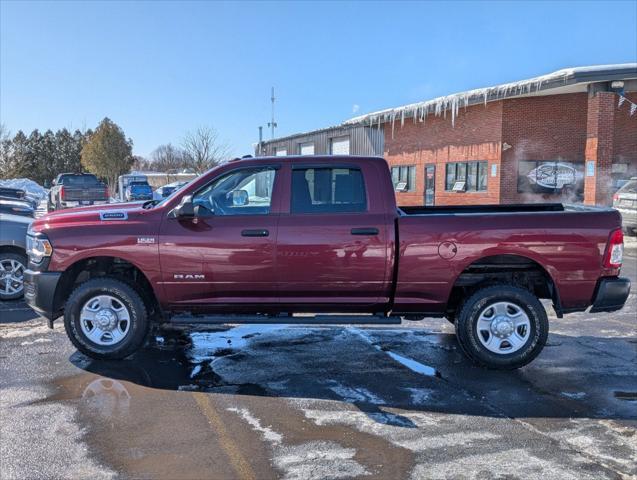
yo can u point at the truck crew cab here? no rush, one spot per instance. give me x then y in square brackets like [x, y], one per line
[260, 240]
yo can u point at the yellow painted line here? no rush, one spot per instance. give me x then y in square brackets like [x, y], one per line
[237, 460]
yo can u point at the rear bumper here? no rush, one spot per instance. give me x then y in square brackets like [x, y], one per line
[81, 203]
[39, 293]
[611, 294]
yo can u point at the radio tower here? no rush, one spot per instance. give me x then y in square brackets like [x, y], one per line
[272, 124]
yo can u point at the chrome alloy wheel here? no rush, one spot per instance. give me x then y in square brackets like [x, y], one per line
[503, 327]
[105, 320]
[11, 276]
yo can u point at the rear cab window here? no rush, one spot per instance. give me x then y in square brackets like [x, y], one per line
[79, 180]
[328, 190]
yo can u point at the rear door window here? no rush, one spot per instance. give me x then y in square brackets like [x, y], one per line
[328, 190]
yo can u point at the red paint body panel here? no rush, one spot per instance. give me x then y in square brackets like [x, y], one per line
[312, 262]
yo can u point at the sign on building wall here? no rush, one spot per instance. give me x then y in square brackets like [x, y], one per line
[550, 176]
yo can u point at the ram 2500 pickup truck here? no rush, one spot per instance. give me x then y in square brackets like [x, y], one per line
[263, 240]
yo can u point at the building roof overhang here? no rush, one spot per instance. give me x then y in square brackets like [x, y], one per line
[568, 80]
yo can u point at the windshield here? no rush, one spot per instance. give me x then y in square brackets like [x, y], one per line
[79, 181]
[140, 188]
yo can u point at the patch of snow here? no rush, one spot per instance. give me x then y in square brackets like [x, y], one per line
[318, 461]
[405, 361]
[195, 371]
[39, 340]
[492, 464]
[267, 432]
[413, 364]
[29, 186]
[574, 395]
[355, 395]
[420, 396]
[17, 332]
[206, 344]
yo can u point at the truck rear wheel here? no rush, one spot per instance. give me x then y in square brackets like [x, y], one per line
[106, 319]
[502, 326]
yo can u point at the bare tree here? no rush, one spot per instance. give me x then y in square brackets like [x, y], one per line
[166, 158]
[203, 149]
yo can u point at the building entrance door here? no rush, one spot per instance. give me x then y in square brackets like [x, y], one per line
[430, 184]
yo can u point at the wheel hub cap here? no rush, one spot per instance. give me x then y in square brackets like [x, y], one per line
[502, 327]
[106, 319]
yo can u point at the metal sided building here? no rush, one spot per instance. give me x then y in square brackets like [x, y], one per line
[339, 140]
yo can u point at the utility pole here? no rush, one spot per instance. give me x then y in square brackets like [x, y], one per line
[260, 150]
[272, 124]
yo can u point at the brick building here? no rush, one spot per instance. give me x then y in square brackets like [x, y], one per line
[567, 136]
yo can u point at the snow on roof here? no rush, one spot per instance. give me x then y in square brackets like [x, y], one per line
[440, 105]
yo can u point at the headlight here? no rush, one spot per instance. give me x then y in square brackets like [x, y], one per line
[38, 247]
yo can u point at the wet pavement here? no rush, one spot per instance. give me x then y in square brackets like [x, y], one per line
[270, 401]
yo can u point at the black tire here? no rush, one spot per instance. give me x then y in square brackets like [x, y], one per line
[16, 257]
[467, 331]
[124, 293]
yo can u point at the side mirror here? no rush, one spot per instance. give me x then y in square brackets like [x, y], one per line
[185, 209]
[240, 198]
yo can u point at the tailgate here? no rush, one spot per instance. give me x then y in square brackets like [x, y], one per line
[74, 194]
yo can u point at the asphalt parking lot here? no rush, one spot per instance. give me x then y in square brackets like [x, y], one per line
[258, 402]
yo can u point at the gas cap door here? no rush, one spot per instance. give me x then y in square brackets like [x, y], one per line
[447, 250]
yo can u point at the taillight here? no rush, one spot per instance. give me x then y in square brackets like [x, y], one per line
[615, 198]
[615, 249]
[62, 193]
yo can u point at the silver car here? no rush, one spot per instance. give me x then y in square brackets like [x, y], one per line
[13, 257]
[625, 200]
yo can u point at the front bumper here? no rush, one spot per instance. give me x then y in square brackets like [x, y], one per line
[611, 294]
[39, 293]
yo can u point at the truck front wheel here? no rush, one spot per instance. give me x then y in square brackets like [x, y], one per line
[106, 319]
[502, 326]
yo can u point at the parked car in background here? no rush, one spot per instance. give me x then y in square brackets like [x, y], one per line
[625, 200]
[13, 256]
[265, 239]
[137, 191]
[75, 190]
[167, 190]
[16, 207]
[8, 193]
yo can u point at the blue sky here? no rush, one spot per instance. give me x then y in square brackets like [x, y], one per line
[159, 69]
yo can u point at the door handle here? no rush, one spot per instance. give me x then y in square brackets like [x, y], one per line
[364, 231]
[261, 232]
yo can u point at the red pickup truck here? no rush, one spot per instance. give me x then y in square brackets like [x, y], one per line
[265, 239]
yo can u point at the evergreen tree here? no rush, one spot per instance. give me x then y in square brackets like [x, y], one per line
[108, 153]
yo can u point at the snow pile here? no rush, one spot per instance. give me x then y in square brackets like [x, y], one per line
[452, 103]
[29, 186]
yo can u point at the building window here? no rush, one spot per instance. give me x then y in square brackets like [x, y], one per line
[466, 176]
[306, 148]
[404, 178]
[328, 190]
[280, 151]
[339, 146]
